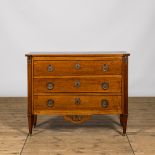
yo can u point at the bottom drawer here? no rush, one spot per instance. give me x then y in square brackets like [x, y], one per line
[81, 104]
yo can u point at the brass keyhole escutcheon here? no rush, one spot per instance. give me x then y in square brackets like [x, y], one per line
[50, 86]
[77, 84]
[50, 68]
[77, 101]
[77, 66]
[105, 85]
[104, 103]
[50, 103]
[105, 67]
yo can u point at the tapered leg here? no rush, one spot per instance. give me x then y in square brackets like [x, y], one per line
[123, 122]
[30, 122]
[35, 120]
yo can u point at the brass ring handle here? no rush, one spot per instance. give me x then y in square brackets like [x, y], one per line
[77, 84]
[50, 103]
[105, 85]
[50, 68]
[77, 101]
[50, 85]
[105, 67]
[77, 66]
[104, 103]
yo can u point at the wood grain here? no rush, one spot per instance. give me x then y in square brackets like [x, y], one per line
[30, 106]
[61, 68]
[62, 77]
[87, 84]
[124, 116]
[68, 103]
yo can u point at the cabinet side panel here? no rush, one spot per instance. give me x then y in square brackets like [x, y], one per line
[125, 85]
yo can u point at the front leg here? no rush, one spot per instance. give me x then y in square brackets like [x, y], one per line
[35, 120]
[30, 123]
[123, 122]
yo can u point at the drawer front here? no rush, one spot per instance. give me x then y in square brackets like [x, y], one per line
[78, 84]
[81, 102]
[52, 68]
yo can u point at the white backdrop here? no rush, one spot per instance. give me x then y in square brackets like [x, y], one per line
[77, 25]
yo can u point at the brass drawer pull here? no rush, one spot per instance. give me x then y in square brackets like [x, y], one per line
[77, 84]
[105, 67]
[50, 68]
[50, 85]
[50, 103]
[77, 66]
[77, 101]
[104, 103]
[105, 85]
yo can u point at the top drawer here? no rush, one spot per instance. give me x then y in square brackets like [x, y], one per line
[52, 68]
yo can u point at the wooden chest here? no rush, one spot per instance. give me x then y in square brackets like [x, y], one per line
[77, 85]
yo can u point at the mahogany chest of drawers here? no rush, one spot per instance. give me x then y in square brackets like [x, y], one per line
[77, 85]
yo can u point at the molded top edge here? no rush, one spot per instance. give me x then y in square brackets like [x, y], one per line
[72, 54]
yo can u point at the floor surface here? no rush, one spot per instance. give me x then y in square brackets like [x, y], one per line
[99, 136]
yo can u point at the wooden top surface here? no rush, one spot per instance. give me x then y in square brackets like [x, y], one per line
[72, 54]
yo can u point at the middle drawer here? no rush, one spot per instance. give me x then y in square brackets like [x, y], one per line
[77, 84]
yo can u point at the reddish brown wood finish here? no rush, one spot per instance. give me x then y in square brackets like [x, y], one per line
[61, 68]
[64, 75]
[124, 116]
[78, 119]
[68, 103]
[87, 84]
[29, 114]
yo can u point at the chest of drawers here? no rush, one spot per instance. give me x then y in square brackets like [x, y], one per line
[77, 85]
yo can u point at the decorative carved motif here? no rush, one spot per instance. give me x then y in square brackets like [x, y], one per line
[77, 118]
